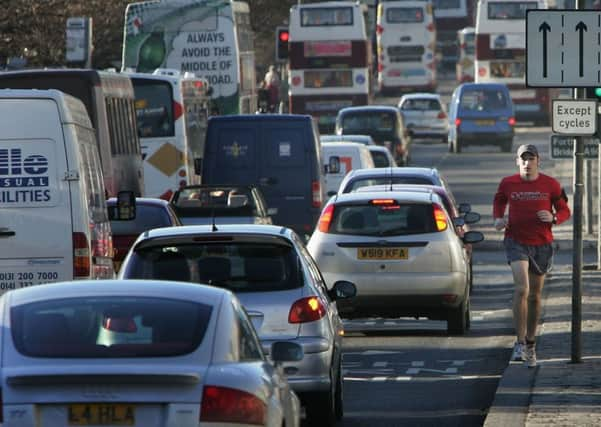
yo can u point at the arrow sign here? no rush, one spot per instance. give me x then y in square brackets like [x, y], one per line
[544, 27]
[581, 27]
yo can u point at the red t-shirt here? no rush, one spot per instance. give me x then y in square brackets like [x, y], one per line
[525, 198]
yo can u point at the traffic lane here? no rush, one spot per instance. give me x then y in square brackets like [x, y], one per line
[414, 373]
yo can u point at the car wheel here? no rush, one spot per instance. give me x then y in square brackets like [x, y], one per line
[459, 318]
[320, 408]
[338, 401]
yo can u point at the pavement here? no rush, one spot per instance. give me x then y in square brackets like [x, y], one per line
[558, 392]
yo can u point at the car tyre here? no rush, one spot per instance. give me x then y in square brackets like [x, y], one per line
[458, 321]
[457, 146]
[338, 400]
[320, 408]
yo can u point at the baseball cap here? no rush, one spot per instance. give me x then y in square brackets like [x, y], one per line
[527, 148]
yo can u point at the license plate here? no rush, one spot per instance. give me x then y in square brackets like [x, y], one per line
[485, 122]
[104, 414]
[382, 253]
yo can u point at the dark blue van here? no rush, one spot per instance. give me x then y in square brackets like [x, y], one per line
[481, 114]
[279, 153]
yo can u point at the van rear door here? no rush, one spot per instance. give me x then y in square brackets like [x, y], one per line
[287, 168]
[35, 207]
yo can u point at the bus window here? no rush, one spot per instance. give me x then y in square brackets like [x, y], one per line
[154, 110]
[400, 15]
[505, 10]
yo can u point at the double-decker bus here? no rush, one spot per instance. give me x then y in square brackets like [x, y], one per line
[109, 101]
[451, 16]
[501, 55]
[210, 38]
[406, 46]
[172, 111]
[329, 60]
[466, 44]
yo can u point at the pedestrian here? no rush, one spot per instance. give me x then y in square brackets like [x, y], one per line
[272, 84]
[536, 203]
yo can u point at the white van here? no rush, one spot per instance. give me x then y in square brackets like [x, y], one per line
[406, 42]
[53, 217]
[340, 158]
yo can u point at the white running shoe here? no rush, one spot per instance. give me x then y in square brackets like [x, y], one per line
[518, 352]
[530, 355]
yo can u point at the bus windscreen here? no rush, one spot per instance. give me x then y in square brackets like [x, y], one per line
[506, 10]
[399, 15]
[326, 16]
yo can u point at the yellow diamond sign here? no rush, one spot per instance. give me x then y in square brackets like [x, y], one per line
[167, 159]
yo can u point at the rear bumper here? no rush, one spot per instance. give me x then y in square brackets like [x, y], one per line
[484, 138]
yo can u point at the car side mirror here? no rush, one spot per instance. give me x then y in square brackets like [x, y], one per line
[198, 166]
[473, 237]
[458, 221]
[471, 217]
[342, 290]
[286, 351]
[125, 209]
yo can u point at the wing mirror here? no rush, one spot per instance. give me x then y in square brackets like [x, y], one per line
[471, 217]
[286, 351]
[125, 209]
[333, 165]
[198, 166]
[473, 237]
[342, 290]
[464, 208]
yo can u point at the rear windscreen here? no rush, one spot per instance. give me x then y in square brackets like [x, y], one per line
[147, 218]
[388, 220]
[369, 181]
[483, 99]
[398, 15]
[224, 201]
[109, 326]
[380, 159]
[239, 266]
[368, 122]
[421, 105]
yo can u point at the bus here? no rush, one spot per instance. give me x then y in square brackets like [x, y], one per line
[451, 16]
[210, 38]
[406, 46]
[109, 101]
[501, 55]
[172, 110]
[329, 60]
[466, 44]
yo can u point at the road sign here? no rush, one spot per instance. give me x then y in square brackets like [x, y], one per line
[562, 147]
[563, 48]
[574, 117]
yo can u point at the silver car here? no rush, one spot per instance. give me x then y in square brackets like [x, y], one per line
[279, 284]
[402, 251]
[425, 116]
[358, 178]
[138, 353]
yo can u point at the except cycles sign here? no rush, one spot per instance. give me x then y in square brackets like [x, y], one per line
[574, 117]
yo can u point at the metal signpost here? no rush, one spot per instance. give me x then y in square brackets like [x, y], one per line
[563, 49]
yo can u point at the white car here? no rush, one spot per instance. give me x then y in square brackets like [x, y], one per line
[401, 250]
[381, 156]
[425, 116]
[138, 353]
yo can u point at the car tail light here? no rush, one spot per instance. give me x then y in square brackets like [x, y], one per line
[440, 218]
[228, 405]
[178, 110]
[305, 310]
[386, 204]
[441, 115]
[316, 190]
[511, 121]
[457, 122]
[81, 256]
[325, 219]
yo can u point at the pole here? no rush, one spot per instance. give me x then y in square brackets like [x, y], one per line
[588, 188]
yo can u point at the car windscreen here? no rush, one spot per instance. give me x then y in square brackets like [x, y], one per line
[147, 218]
[384, 180]
[383, 220]
[240, 266]
[109, 326]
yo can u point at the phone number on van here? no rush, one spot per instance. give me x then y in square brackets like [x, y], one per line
[23, 279]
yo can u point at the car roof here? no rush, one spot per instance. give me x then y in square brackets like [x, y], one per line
[261, 117]
[418, 196]
[347, 144]
[421, 95]
[268, 230]
[483, 86]
[395, 171]
[378, 148]
[142, 201]
[331, 138]
[151, 288]
[360, 108]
